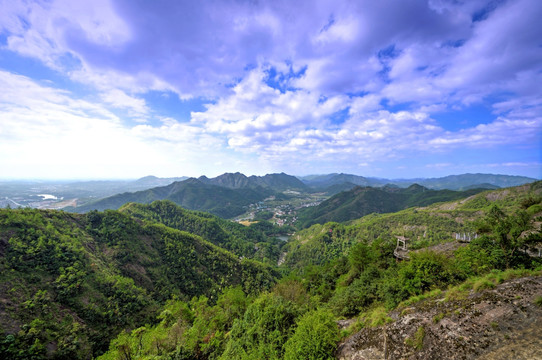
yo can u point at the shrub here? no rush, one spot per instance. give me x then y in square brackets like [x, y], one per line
[534, 209]
[263, 330]
[424, 271]
[456, 293]
[378, 316]
[483, 284]
[315, 337]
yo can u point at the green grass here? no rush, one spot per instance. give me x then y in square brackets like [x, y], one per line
[494, 325]
[355, 327]
[488, 281]
[438, 317]
[456, 293]
[375, 317]
[415, 299]
[483, 284]
[417, 341]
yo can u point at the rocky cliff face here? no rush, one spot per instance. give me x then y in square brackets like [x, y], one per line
[500, 323]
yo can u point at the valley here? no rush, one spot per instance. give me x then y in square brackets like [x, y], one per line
[296, 269]
[270, 180]
[50, 194]
[284, 211]
[296, 192]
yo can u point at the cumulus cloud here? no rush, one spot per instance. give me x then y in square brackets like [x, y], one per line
[501, 132]
[200, 48]
[296, 125]
[256, 116]
[309, 82]
[49, 133]
[136, 107]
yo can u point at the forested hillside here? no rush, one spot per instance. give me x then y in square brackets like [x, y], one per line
[191, 194]
[361, 201]
[276, 182]
[153, 281]
[227, 195]
[348, 271]
[255, 241]
[424, 226]
[451, 182]
[70, 282]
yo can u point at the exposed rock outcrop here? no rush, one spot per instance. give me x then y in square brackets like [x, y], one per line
[500, 323]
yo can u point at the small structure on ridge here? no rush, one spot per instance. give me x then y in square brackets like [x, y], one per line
[401, 249]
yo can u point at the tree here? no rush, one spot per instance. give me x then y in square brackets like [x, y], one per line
[262, 332]
[425, 270]
[315, 337]
[510, 232]
[360, 256]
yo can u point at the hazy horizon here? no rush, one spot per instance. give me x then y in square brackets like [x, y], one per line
[231, 172]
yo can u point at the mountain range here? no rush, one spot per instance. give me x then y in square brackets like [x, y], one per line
[325, 181]
[227, 195]
[159, 281]
[28, 192]
[230, 194]
[276, 182]
[192, 194]
[451, 182]
[361, 201]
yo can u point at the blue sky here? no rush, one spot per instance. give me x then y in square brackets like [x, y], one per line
[391, 88]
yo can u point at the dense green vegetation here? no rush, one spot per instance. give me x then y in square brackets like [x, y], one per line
[256, 241]
[424, 226]
[276, 182]
[153, 279]
[361, 201]
[452, 182]
[70, 282]
[345, 270]
[191, 194]
[227, 195]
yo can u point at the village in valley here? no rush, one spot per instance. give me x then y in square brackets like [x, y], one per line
[280, 212]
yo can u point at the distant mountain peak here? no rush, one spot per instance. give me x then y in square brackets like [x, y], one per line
[237, 180]
[148, 177]
[451, 182]
[416, 188]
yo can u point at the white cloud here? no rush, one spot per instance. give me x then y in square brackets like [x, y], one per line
[46, 30]
[343, 30]
[119, 99]
[120, 46]
[500, 49]
[501, 132]
[46, 132]
[439, 165]
[340, 66]
[256, 118]
[365, 104]
[518, 164]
